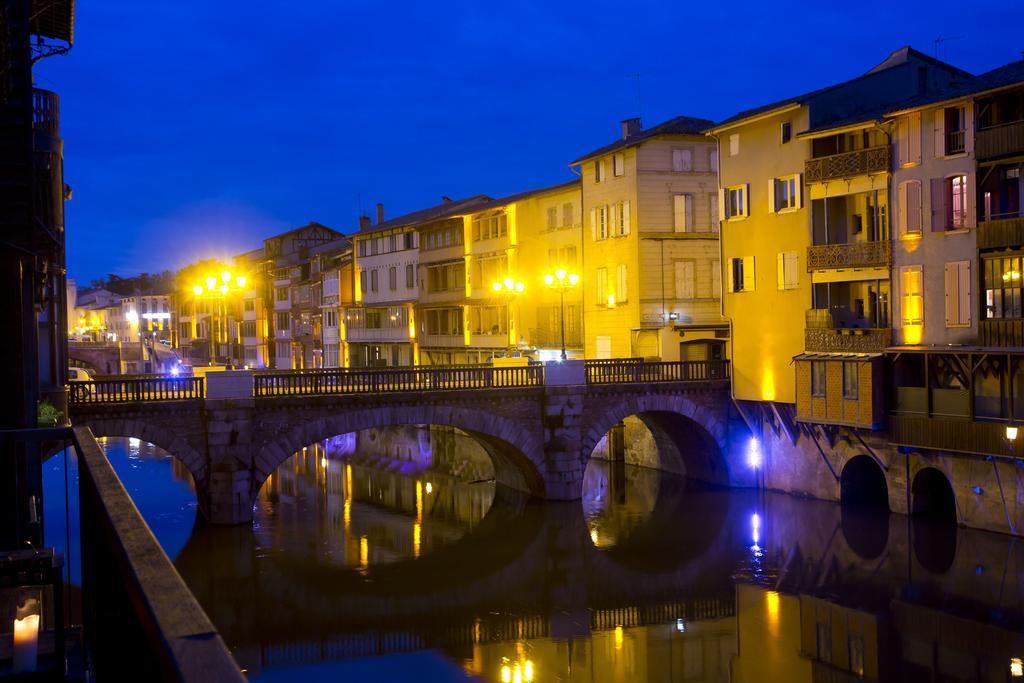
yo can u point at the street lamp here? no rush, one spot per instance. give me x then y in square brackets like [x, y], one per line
[217, 291]
[511, 288]
[562, 281]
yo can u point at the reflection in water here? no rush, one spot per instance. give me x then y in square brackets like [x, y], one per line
[385, 557]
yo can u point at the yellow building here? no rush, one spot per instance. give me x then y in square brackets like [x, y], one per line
[806, 195]
[651, 268]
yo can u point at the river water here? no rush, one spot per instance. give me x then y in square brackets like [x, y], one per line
[395, 557]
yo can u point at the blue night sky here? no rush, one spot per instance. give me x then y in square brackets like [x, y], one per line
[194, 128]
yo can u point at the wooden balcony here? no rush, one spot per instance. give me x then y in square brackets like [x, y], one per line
[847, 340]
[853, 255]
[998, 141]
[1000, 233]
[949, 434]
[1001, 332]
[848, 164]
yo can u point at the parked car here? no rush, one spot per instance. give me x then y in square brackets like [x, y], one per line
[76, 375]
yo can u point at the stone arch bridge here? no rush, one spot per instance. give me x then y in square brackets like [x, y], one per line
[540, 424]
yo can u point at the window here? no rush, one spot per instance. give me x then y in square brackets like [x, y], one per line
[248, 328]
[488, 319]
[392, 278]
[788, 274]
[958, 294]
[910, 207]
[736, 202]
[373, 280]
[741, 274]
[410, 276]
[956, 194]
[330, 318]
[684, 279]
[856, 644]
[950, 134]
[713, 160]
[734, 144]
[682, 212]
[448, 277]
[716, 279]
[824, 631]
[621, 283]
[281, 293]
[391, 243]
[281, 322]
[818, 378]
[785, 193]
[787, 132]
[362, 281]
[602, 286]
[599, 222]
[620, 219]
[249, 305]
[618, 165]
[682, 160]
[362, 248]
[409, 240]
[568, 219]
[1002, 287]
[912, 302]
[908, 139]
[713, 213]
[851, 381]
[599, 171]
[489, 227]
[552, 215]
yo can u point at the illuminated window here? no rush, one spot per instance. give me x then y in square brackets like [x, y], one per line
[818, 382]
[851, 381]
[956, 201]
[736, 202]
[1002, 287]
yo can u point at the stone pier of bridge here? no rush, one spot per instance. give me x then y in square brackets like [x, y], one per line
[539, 436]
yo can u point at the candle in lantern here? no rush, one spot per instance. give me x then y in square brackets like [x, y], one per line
[26, 642]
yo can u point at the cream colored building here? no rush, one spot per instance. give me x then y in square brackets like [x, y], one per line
[650, 259]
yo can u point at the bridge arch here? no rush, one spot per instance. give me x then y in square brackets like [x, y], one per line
[691, 438]
[516, 451]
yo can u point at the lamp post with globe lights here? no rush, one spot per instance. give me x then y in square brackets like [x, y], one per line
[509, 288]
[562, 280]
[217, 290]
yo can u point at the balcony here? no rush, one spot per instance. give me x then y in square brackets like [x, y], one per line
[852, 255]
[848, 164]
[828, 332]
[1001, 332]
[998, 141]
[1003, 232]
[948, 434]
[46, 111]
[545, 336]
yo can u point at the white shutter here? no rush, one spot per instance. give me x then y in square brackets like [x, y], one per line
[939, 132]
[713, 160]
[902, 139]
[938, 191]
[771, 195]
[613, 221]
[792, 274]
[682, 213]
[914, 145]
[730, 279]
[965, 288]
[716, 279]
[798, 190]
[625, 217]
[952, 294]
[721, 204]
[901, 199]
[593, 224]
[713, 213]
[684, 279]
[781, 265]
[913, 206]
[748, 273]
[621, 283]
[746, 200]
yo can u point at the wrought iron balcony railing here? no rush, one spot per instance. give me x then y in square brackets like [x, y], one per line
[852, 255]
[847, 340]
[848, 164]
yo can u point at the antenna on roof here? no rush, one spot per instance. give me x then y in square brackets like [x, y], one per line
[942, 39]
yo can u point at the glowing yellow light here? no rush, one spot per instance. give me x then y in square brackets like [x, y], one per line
[506, 674]
[528, 671]
[509, 283]
[1011, 433]
[573, 278]
[240, 281]
[520, 287]
[347, 515]
[1017, 667]
[364, 551]
[618, 637]
[430, 488]
[611, 301]
[560, 273]
[197, 290]
[419, 501]
[496, 286]
[595, 537]
[912, 334]
[549, 279]
[517, 675]
[323, 463]
[225, 277]
[211, 282]
[416, 539]
[224, 289]
[768, 384]
[772, 606]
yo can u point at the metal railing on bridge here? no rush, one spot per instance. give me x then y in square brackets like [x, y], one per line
[139, 388]
[629, 370]
[385, 380]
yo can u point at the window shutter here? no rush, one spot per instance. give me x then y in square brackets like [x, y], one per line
[713, 213]
[792, 274]
[901, 198]
[798, 190]
[748, 273]
[721, 204]
[679, 214]
[746, 200]
[915, 138]
[902, 135]
[625, 217]
[952, 294]
[939, 132]
[613, 220]
[913, 206]
[781, 264]
[938, 188]
[730, 281]
[771, 195]
[593, 223]
[964, 297]
[621, 293]
[716, 279]
[684, 279]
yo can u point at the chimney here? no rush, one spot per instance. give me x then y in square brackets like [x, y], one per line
[445, 199]
[630, 127]
[380, 213]
[364, 222]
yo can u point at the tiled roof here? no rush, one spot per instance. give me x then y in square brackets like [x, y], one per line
[446, 208]
[680, 125]
[519, 196]
[1000, 77]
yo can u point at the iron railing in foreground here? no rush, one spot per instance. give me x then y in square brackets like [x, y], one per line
[137, 388]
[139, 619]
[628, 370]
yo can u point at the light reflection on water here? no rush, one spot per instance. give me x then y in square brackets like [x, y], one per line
[353, 569]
